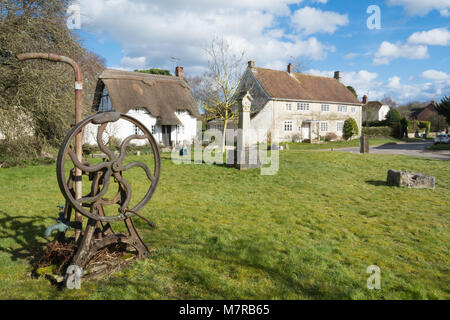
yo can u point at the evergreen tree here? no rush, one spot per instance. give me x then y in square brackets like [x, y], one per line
[443, 108]
[350, 128]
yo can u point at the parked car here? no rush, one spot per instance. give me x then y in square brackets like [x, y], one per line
[442, 138]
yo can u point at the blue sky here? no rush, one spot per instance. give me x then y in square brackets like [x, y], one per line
[408, 58]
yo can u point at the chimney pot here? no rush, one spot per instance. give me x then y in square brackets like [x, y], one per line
[365, 99]
[290, 68]
[337, 75]
[251, 64]
[179, 72]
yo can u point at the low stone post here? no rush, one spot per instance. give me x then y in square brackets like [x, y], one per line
[364, 144]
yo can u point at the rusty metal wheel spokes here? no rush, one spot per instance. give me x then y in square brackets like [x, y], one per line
[103, 173]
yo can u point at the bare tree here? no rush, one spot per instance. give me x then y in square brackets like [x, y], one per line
[389, 101]
[39, 91]
[219, 85]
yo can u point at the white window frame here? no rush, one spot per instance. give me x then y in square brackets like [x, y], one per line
[322, 124]
[288, 126]
[180, 129]
[153, 129]
[342, 108]
[289, 107]
[137, 131]
[353, 109]
[301, 106]
[325, 108]
[337, 126]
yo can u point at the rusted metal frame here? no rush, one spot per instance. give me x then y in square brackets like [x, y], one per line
[78, 115]
[116, 166]
[100, 143]
[136, 240]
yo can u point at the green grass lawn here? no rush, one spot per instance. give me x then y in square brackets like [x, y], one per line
[309, 232]
[438, 147]
[340, 144]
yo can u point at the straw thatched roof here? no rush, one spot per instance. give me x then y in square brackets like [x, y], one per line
[161, 95]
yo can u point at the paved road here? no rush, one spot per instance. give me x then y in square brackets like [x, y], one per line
[415, 149]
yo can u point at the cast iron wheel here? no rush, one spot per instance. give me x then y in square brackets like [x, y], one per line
[91, 205]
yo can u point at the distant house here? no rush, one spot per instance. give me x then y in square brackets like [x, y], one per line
[374, 110]
[164, 104]
[430, 113]
[426, 113]
[298, 106]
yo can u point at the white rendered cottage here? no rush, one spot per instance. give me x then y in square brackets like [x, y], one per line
[299, 107]
[374, 110]
[164, 104]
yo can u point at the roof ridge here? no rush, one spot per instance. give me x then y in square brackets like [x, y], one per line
[131, 74]
[296, 73]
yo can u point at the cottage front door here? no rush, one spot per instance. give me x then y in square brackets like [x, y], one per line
[166, 135]
[306, 130]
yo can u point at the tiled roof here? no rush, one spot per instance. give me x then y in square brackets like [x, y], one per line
[298, 86]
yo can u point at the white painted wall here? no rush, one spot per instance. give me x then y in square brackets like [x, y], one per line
[122, 128]
[383, 112]
[372, 114]
[189, 130]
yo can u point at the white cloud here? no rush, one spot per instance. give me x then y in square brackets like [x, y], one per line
[390, 51]
[445, 13]
[421, 7]
[363, 81]
[393, 82]
[182, 29]
[311, 20]
[435, 75]
[366, 82]
[435, 37]
[133, 63]
[351, 55]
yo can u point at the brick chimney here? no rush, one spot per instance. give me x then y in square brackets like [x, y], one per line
[179, 72]
[251, 64]
[365, 99]
[290, 68]
[337, 76]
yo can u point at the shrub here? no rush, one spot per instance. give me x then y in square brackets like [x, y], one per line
[392, 117]
[296, 138]
[350, 128]
[377, 131]
[114, 143]
[22, 152]
[425, 125]
[330, 136]
[375, 123]
[89, 149]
